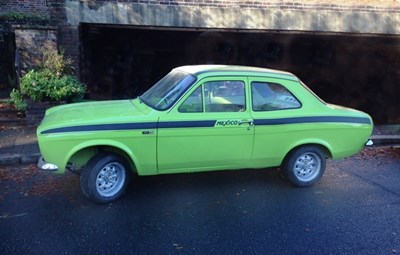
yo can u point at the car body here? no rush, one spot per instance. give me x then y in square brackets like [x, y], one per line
[201, 118]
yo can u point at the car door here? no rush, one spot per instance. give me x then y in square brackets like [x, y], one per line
[275, 105]
[210, 128]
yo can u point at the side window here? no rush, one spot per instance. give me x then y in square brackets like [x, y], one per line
[268, 96]
[224, 96]
[194, 103]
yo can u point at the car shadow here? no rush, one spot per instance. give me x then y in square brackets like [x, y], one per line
[206, 182]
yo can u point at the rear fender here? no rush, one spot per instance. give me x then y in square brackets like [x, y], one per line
[326, 147]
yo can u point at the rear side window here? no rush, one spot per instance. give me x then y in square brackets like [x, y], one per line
[268, 96]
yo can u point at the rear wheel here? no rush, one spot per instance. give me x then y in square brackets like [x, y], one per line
[104, 178]
[305, 166]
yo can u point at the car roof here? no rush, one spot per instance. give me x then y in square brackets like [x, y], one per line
[245, 70]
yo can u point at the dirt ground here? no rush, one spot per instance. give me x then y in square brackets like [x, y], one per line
[378, 3]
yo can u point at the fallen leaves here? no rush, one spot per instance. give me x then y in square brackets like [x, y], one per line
[377, 153]
[6, 106]
[29, 181]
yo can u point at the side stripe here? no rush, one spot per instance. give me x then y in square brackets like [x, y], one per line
[102, 127]
[187, 124]
[314, 119]
[206, 123]
[132, 126]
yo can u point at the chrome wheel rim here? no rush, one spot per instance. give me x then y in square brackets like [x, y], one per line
[307, 166]
[110, 179]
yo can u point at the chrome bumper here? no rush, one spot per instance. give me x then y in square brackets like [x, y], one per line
[43, 165]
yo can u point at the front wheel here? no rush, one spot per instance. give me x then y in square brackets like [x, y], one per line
[104, 178]
[305, 166]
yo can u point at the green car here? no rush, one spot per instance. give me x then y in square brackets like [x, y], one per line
[201, 118]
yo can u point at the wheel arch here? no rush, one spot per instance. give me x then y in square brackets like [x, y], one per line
[324, 147]
[83, 152]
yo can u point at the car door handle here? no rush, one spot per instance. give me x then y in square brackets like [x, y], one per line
[250, 122]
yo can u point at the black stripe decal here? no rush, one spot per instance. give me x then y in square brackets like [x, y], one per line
[314, 119]
[132, 126]
[206, 123]
[102, 127]
[187, 124]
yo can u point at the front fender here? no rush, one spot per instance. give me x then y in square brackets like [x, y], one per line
[101, 143]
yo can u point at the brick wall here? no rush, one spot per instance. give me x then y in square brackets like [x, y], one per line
[38, 7]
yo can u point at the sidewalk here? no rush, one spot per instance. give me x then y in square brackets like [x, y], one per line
[18, 144]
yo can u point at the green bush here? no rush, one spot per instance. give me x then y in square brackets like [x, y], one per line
[17, 100]
[45, 85]
[56, 62]
[51, 81]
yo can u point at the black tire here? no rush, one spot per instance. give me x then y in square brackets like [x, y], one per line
[305, 166]
[105, 177]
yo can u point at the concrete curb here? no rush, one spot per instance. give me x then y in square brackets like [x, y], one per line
[384, 140]
[13, 159]
[10, 159]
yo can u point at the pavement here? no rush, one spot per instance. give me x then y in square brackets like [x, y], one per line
[353, 209]
[18, 143]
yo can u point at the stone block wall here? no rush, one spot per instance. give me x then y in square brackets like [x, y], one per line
[334, 6]
[26, 20]
[30, 42]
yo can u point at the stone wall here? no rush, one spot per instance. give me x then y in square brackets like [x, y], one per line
[265, 15]
[15, 17]
[67, 15]
[66, 19]
[30, 42]
[332, 6]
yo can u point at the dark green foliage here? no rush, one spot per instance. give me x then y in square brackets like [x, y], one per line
[50, 82]
[17, 100]
[45, 85]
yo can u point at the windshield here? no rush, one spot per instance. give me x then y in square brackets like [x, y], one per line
[167, 90]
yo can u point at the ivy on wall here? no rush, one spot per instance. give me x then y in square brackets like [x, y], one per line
[23, 17]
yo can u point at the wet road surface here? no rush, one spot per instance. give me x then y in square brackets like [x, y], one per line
[354, 209]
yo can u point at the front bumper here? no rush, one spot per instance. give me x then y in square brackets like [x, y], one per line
[43, 165]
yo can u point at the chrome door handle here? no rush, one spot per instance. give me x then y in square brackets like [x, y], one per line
[250, 122]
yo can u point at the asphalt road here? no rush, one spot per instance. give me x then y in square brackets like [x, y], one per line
[354, 209]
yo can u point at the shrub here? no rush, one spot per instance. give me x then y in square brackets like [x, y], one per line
[17, 100]
[56, 62]
[51, 81]
[45, 85]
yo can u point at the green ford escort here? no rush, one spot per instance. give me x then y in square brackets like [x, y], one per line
[201, 118]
